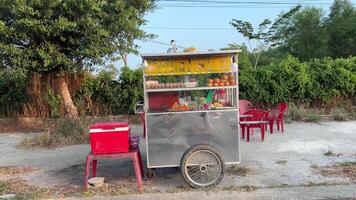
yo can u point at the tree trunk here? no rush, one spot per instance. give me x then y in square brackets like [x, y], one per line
[38, 106]
[70, 110]
[257, 59]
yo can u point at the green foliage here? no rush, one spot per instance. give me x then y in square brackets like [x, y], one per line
[12, 91]
[305, 33]
[295, 113]
[65, 132]
[54, 102]
[244, 57]
[313, 118]
[340, 115]
[109, 94]
[3, 187]
[56, 35]
[307, 37]
[293, 81]
[341, 28]
[260, 36]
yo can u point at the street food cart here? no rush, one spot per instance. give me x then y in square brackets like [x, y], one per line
[191, 113]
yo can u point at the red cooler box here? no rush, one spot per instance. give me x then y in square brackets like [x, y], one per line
[109, 137]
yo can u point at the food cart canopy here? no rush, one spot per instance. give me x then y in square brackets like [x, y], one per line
[159, 64]
[189, 54]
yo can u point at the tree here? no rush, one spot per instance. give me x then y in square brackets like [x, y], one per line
[301, 33]
[67, 36]
[260, 36]
[244, 56]
[341, 28]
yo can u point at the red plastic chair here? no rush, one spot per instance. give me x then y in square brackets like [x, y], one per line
[244, 106]
[270, 116]
[257, 120]
[281, 108]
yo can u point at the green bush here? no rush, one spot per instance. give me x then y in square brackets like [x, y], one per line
[313, 118]
[340, 115]
[54, 102]
[65, 132]
[295, 113]
[319, 80]
[111, 92]
[12, 91]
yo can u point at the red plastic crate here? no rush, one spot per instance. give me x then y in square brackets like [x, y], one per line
[109, 137]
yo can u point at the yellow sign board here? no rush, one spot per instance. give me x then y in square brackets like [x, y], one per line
[182, 66]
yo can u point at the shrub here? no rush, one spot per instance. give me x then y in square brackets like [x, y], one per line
[54, 102]
[65, 132]
[295, 113]
[319, 80]
[340, 115]
[313, 118]
[12, 91]
[106, 94]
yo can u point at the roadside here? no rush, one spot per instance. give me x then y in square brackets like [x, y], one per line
[340, 192]
[290, 160]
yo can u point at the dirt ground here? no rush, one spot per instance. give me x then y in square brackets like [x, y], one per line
[306, 155]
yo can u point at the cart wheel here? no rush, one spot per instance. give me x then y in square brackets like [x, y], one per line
[151, 173]
[202, 166]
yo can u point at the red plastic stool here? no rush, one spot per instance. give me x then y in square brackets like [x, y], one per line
[134, 154]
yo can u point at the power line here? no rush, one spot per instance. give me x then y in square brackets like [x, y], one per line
[221, 6]
[187, 28]
[245, 2]
[166, 44]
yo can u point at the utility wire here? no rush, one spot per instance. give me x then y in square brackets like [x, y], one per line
[166, 44]
[222, 6]
[245, 2]
[187, 28]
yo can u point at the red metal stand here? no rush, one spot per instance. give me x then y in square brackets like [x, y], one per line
[134, 154]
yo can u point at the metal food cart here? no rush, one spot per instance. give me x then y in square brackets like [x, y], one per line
[199, 137]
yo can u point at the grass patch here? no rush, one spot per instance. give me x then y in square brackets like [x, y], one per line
[238, 170]
[106, 190]
[281, 162]
[310, 183]
[180, 188]
[23, 191]
[248, 188]
[66, 132]
[245, 188]
[353, 115]
[13, 170]
[329, 152]
[313, 118]
[345, 169]
[340, 115]
[3, 187]
[295, 113]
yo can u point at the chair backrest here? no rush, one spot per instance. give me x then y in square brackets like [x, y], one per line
[244, 106]
[257, 115]
[282, 107]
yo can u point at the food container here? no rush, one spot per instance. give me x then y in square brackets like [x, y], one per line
[109, 137]
[134, 141]
[190, 84]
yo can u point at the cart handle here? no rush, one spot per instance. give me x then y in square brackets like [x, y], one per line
[140, 111]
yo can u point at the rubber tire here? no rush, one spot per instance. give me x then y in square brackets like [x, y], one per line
[196, 148]
[151, 173]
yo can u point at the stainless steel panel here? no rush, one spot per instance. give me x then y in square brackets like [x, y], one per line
[170, 135]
